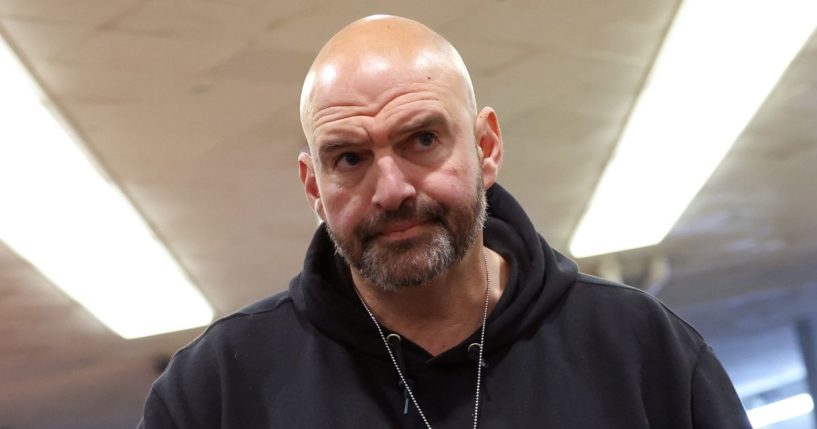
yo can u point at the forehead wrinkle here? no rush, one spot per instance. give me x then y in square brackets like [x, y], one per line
[330, 111]
[387, 122]
[347, 133]
[336, 113]
[415, 118]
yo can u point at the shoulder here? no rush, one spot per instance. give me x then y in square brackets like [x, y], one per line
[627, 314]
[230, 348]
[618, 299]
[243, 338]
[276, 311]
[267, 321]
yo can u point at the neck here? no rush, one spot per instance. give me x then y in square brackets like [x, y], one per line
[444, 312]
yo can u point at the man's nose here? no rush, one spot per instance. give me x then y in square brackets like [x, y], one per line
[392, 187]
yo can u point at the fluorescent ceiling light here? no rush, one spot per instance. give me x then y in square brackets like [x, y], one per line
[720, 60]
[62, 215]
[779, 411]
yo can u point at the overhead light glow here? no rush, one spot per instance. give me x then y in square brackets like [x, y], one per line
[718, 63]
[62, 215]
[779, 411]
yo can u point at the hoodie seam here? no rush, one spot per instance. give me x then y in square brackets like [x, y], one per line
[236, 315]
[704, 347]
[166, 408]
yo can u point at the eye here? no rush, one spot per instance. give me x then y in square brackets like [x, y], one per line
[348, 159]
[425, 139]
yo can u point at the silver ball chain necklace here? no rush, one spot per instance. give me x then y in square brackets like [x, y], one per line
[479, 361]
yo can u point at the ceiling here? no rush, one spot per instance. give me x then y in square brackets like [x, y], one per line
[191, 107]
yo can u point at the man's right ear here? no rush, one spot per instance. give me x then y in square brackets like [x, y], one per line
[306, 170]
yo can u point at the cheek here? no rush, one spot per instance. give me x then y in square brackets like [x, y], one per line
[452, 185]
[343, 211]
[465, 171]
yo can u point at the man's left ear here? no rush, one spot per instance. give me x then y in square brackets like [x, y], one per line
[489, 145]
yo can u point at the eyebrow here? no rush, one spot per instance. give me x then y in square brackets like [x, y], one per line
[433, 120]
[333, 146]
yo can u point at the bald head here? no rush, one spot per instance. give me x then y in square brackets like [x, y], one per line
[375, 54]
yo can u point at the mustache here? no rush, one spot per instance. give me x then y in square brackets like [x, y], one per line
[426, 212]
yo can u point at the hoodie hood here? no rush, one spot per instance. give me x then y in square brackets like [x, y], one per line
[539, 277]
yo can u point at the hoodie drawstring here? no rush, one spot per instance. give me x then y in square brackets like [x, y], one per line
[394, 343]
[473, 355]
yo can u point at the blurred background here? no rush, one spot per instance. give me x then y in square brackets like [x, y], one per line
[190, 108]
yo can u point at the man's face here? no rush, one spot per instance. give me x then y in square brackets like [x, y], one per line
[398, 174]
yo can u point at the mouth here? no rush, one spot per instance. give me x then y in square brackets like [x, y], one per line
[401, 230]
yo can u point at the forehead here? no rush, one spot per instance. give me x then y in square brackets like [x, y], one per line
[369, 77]
[375, 86]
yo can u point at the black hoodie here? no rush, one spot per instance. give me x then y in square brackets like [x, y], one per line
[562, 350]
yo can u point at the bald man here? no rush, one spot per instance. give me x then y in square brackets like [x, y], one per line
[427, 299]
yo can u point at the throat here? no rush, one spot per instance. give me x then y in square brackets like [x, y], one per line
[437, 337]
[435, 325]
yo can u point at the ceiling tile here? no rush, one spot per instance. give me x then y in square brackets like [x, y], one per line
[264, 64]
[106, 50]
[188, 19]
[83, 13]
[40, 41]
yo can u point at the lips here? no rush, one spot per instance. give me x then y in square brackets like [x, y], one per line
[400, 226]
[400, 230]
[406, 222]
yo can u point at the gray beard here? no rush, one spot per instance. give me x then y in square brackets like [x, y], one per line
[419, 260]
